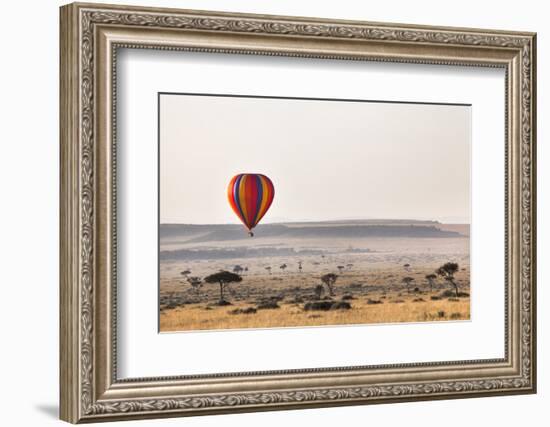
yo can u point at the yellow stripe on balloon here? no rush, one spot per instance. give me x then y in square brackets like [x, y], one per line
[242, 198]
[263, 205]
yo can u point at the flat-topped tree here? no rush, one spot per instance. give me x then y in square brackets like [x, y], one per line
[329, 280]
[448, 271]
[407, 281]
[196, 283]
[318, 291]
[223, 278]
[431, 280]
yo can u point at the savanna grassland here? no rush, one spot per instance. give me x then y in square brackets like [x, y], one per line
[292, 275]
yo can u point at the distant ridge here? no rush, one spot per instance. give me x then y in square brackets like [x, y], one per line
[374, 221]
[199, 233]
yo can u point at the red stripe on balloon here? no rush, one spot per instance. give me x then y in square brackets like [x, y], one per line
[252, 200]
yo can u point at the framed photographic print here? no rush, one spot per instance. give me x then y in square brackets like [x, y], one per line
[347, 209]
[339, 238]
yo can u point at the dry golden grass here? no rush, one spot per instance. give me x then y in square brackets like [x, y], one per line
[375, 275]
[203, 317]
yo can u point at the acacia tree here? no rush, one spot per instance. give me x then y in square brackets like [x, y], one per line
[407, 281]
[431, 280]
[283, 266]
[318, 290]
[329, 280]
[238, 269]
[268, 268]
[340, 268]
[300, 266]
[223, 278]
[448, 271]
[196, 283]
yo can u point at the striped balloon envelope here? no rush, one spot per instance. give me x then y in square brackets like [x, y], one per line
[250, 196]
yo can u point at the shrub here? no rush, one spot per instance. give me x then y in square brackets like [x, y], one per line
[456, 316]
[374, 301]
[268, 305]
[327, 305]
[451, 294]
[188, 301]
[340, 305]
[435, 298]
[418, 300]
[222, 303]
[441, 314]
[347, 297]
[318, 305]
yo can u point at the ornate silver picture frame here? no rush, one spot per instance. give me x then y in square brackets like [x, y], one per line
[91, 35]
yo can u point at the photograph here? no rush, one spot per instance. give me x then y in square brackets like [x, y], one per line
[298, 212]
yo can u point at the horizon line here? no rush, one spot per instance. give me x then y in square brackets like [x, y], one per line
[324, 220]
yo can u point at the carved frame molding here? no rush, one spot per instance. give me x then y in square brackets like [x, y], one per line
[90, 36]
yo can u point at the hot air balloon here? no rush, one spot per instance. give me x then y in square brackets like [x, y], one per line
[250, 196]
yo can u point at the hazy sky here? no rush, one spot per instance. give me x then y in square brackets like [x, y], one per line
[328, 160]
